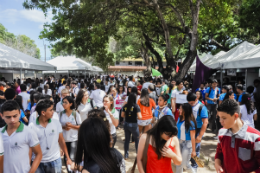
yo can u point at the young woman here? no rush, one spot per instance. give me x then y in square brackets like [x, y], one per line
[163, 147]
[70, 121]
[23, 118]
[162, 109]
[83, 104]
[146, 105]
[121, 92]
[229, 95]
[46, 90]
[186, 133]
[199, 97]
[36, 97]
[225, 89]
[125, 83]
[131, 112]
[94, 144]
[248, 112]
[112, 115]
[109, 92]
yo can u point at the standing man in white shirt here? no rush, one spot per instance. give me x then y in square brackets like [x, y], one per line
[18, 139]
[75, 89]
[62, 87]
[175, 106]
[25, 96]
[97, 95]
[149, 81]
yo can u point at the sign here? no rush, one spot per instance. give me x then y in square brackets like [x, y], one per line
[231, 72]
[181, 98]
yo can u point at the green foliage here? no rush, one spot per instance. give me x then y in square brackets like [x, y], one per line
[19, 42]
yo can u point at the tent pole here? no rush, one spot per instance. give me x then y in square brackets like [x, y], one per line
[21, 75]
[55, 74]
[221, 77]
[246, 78]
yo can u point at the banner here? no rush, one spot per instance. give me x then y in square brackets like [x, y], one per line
[181, 98]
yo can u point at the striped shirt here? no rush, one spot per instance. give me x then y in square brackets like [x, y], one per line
[239, 152]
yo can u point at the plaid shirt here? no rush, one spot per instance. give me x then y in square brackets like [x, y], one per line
[239, 152]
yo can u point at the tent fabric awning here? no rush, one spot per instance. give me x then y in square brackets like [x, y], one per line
[127, 67]
[203, 59]
[14, 59]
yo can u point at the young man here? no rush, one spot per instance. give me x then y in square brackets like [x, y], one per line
[149, 81]
[131, 83]
[59, 107]
[200, 113]
[25, 96]
[164, 87]
[19, 141]
[49, 132]
[97, 95]
[212, 96]
[173, 82]
[238, 149]
[75, 89]
[1, 155]
[240, 92]
[175, 106]
[152, 93]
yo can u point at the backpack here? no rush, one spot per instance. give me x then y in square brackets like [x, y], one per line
[211, 89]
[200, 109]
[73, 113]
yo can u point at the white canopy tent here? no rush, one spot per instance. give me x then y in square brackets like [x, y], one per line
[202, 59]
[214, 58]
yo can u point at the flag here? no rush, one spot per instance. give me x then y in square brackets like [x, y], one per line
[202, 73]
[155, 72]
[177, 68]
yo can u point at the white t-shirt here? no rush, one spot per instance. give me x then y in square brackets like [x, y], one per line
[131, 84]
[116, 116]
[26, 99]
[146, 85]
[75, 91]
[59, 107]
[183, 135]
[72, 134]
[48, 138]
[247, 118]
[175, 93]
[84, 109]
[158, 91]
[60, 89]
[1, 146]
[49, 92]
[35, 115]
[98, 95]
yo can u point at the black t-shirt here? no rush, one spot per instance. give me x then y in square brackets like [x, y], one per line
[91, 166]
[131, 115]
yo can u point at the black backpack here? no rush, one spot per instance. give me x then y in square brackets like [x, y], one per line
[200, 109]
[210, 91]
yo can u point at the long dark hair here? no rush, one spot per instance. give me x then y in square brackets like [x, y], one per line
[19, 100]
[130, 102]
[109, 89]
[32, 98]
[46, 87]
[246, 100]
[134, 90]
[188, 116]
[170, 86]
[201, 98]
[145, 99]
[79, 97]
[165, 124]
[229, 93]
[128, 93]
[97, 149]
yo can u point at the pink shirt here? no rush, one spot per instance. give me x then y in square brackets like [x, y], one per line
[18, 90]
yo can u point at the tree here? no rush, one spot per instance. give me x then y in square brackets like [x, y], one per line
[85, 27]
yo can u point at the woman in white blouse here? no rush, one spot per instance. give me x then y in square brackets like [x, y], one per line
[248, 112]
[46, 90]
[83, 104]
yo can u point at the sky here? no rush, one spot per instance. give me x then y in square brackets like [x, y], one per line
[19, 21]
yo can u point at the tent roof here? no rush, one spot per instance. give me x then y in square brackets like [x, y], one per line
[248, 59]
[202, 59]
[70, 63]
[14, 59]
[230, 55]
[97, 69]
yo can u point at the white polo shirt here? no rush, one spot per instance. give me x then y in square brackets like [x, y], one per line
[75, 91]
[16, 147]
[60, 89]
[35, 115]
[48, 137]
[84, 109]
[98, 95]
[59, 107]
[1, 146]
[26, 99]
[116, 116]
[72, 134]
[175, 93]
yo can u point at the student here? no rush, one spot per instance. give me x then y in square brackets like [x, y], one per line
[240, 92]
[50, 144]
[164, 87]
[83, 104]
[75, 89]
[31, 103]
[70, 121]
[36, 98]
[175, 106]
[162, 108]
[186, 125]
[200, 114]
[59, 107]
[94, 146]
[18, 139]
[152, 93]
[1, 155]
[230, 95]
[131, 112]
[212, 96]
[202, 89]
[238, 144]
[169, 92]
[112, 115]
[199, 97]
[146, 105]
[97, 95]
[248, 113]
[149, 81]
[25, 96]
[23, 118]
[46, 90]
[106, 86]
[162, 147]
[64, 83]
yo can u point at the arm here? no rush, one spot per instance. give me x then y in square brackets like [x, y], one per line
[2, 97]
[64, 148]
[219, 158]
[71, 126]
[140, 153]
[202, 130]
[178, 159]
[123, 114]
[218, 166]
[2, 164]
[114, 121]
[25, 119]
[173, 101]
[139, 115]
[207, 97]
[192, 135]
[220, 101]
[38, 157]
[255, 117]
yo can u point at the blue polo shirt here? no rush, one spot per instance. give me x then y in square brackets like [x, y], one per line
[235, 96]
[222, 96]
[187, 133]
[240, 97]
[166, 112]
[203, 114]
[203, 92]
[29, 106]
[22, 116]
[213, 94]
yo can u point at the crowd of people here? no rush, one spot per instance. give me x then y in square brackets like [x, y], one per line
[78, 118]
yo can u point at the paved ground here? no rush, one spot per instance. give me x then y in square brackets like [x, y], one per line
[207, 154]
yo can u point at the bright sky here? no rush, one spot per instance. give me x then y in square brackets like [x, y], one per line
[20, 21]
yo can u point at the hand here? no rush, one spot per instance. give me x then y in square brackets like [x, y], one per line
[198, 139]
[167, 152]
[67, 128]
[68, 124]
[173, 111]
[69, 162]
[193, 154]
[61, 153]
[219, 168]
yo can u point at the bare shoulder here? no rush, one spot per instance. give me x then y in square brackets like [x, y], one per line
[175, 141]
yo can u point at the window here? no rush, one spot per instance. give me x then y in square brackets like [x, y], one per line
[138, 63]
[117, 62]
[130, 63]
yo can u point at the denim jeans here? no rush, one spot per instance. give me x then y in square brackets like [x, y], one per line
[198, 146]
[212, 116]
[72, 148]
[186, 149]
[50, 167]
[130, 128]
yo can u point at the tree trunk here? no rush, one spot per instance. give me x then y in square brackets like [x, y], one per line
[144, 54]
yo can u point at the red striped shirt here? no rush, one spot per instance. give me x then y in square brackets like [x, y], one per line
[239, 152]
